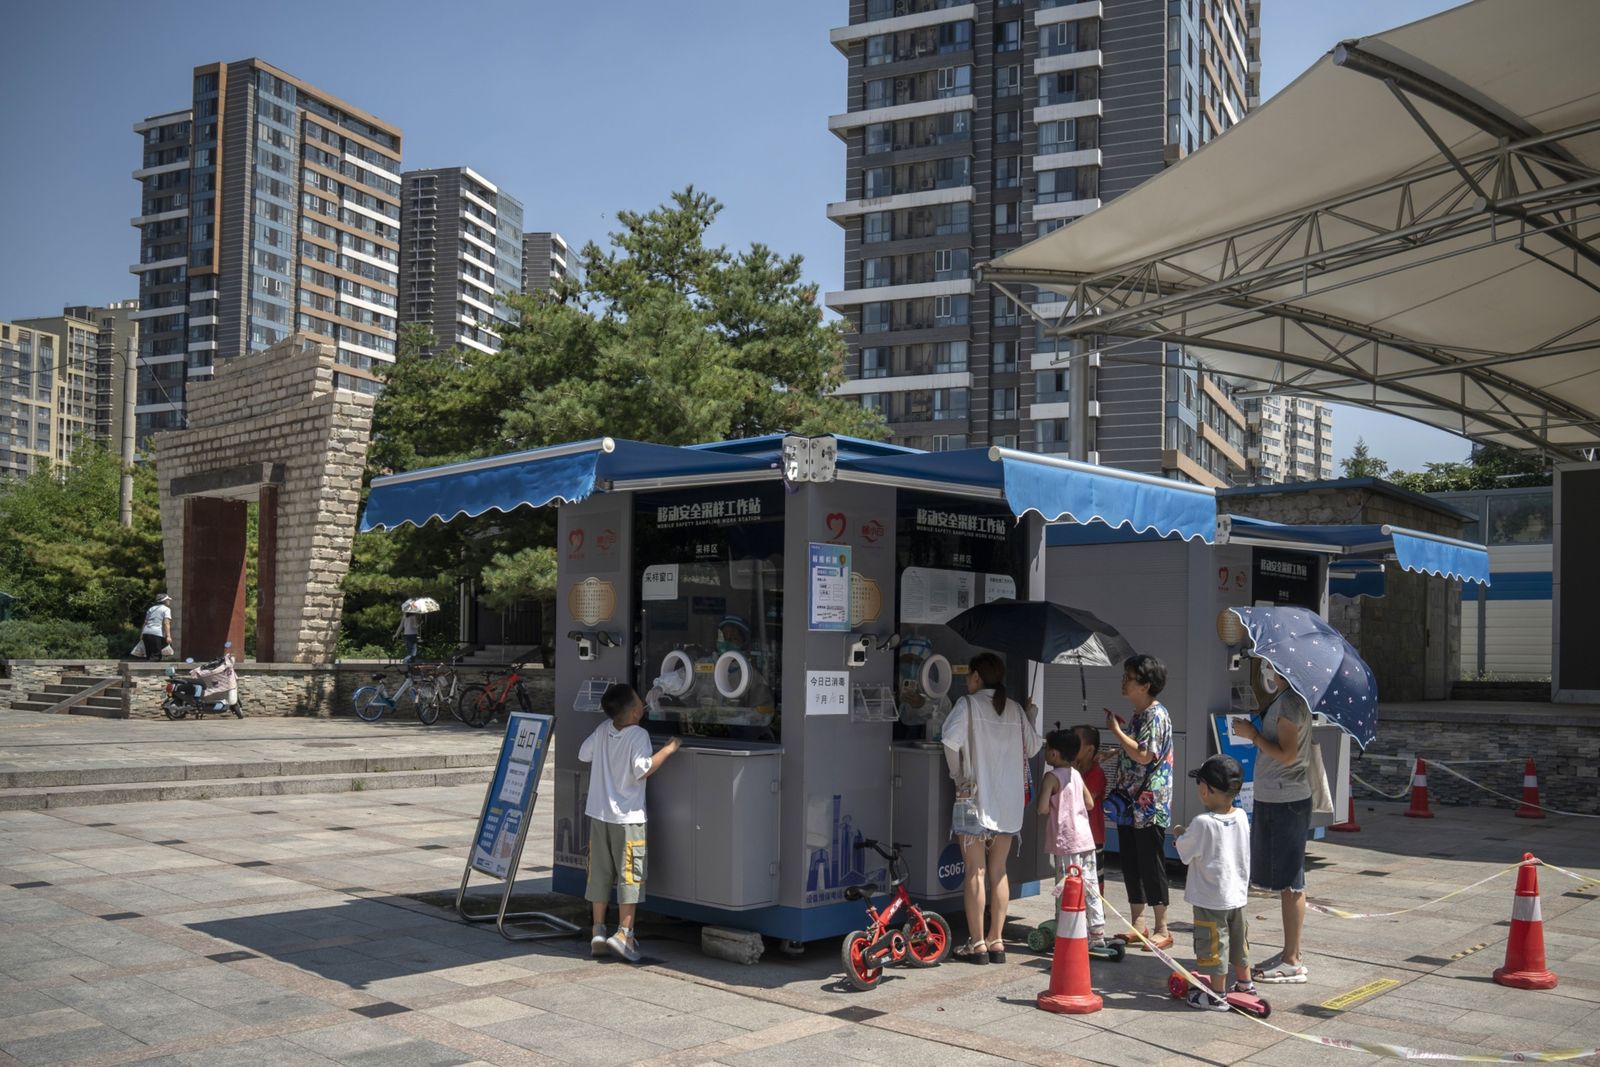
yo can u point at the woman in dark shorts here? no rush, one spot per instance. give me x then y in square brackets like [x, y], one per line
[1281, 818]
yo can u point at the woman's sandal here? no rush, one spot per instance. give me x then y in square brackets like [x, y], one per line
[997, 955]
[971, 951]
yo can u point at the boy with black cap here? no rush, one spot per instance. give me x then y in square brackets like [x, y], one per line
[1216, 847]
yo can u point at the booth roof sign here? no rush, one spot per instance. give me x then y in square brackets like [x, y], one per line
[960, 522]
[732, 510]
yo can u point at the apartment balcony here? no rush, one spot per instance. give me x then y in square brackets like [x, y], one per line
[1072, 109]
[1069, 13]
[158, 264]
[846, 209]
[855, 297]
[163, 216]
[1091, 57]
[1234, 457]
[1082, 157]
[1059, 409]
[843, 37]
[164, 168]
[906, 383]
[1064, 209]
[841, 125]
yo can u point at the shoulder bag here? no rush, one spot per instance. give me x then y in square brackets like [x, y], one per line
[964, 813]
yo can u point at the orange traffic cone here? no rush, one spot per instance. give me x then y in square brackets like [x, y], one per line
[1525, 967]
[1419, 792]
[1069, 992]
[1530, 793]
[1349, 825]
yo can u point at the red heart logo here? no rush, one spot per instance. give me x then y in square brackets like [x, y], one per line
[575, 541]
[836, 524]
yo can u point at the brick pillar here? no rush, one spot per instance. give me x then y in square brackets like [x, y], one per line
[214, 542]
[267, 575]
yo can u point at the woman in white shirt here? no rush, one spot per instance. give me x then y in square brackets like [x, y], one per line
[988, 740]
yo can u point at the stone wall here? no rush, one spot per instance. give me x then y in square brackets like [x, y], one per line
[265, 689]
[1391, 631]
[1564, 745]
[275, 426]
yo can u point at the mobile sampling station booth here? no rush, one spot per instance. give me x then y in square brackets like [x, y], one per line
[786, 597]
[1168, 596]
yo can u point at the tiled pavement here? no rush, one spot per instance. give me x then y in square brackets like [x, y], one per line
[285, 930]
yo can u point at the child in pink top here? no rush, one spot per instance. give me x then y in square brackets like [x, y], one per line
[1065, 802]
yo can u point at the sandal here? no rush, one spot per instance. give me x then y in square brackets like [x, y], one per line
[1282, 974]
[971, 951]
[1128, 937]
[1162, 942]
[997, 954]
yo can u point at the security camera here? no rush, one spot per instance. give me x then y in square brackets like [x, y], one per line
[890, 642]
[585, 644]
[605, 640]
[857, 656]
[1235, 661]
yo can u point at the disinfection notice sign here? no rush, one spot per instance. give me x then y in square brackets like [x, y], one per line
[828, 571]
[510, 799]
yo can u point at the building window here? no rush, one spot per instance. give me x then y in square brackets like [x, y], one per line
[1005, 312]
[1003, 403]
[1052, 435]
[952, 218]
[1007, 218]
[1007, 127]
[875, 317]
[874, 363]
[1008, 172]
[1003, 357]
[1050, 386]
[1008, 36]
[1008, 81]
[877, 182]
[877, 226]
[948, 442]
[875, 272]
[880, 138]
[955, 81]
[880, 49]
[950, 357]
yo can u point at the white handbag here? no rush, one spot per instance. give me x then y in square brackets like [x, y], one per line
[1321, 795]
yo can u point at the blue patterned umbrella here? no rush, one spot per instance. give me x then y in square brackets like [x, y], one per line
[1319, 664]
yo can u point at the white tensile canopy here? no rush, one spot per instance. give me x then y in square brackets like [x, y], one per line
[1413, 225]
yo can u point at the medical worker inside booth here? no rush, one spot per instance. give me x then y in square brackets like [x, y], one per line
[709, 568]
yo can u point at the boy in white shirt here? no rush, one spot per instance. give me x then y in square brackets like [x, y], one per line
[619, 754]
[1216, 846]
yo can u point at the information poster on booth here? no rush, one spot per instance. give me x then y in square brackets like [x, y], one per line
[827, 692]
[1231, 743]
[511, 795]
[828, 576]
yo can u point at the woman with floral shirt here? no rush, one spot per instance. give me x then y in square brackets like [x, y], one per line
[1144, 787]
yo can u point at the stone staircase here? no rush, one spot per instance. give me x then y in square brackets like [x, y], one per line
[494, 655]
[76, 694]
[167, 779]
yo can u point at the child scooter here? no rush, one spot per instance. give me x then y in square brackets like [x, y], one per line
[1042, 938]
[1245, 1002]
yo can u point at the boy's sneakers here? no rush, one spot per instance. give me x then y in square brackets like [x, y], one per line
[1206, 1000]
[1247, 988]
[597, 943]
[624, 944]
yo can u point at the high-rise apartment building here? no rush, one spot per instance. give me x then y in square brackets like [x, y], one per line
[974, 127]
[546, 260]
[460, 253]
[268, 207]
[29, 382]
[117, 336]
[1291, 439]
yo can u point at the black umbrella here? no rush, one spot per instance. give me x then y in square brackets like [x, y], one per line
[1045, 632]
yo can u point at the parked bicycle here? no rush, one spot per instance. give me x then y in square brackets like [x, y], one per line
[447, 687]
[483, 702]
[922, 939]
[372, 701]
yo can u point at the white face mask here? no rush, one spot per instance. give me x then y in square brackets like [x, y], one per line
[1270, 681]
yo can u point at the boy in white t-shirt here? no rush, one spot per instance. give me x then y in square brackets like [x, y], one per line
[1216, 846]
[619, 754]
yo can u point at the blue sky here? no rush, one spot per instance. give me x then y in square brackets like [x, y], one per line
[577, 109]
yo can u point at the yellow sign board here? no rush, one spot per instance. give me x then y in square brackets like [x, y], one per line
[1360, 993]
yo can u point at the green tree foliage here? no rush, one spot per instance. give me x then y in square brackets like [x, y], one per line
[65, 558]
[1361, 463]
[668, 339]
[1488, 467]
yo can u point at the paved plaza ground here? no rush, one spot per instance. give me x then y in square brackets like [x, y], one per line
[295, 929]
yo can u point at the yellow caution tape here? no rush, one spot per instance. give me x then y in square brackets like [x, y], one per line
[1371, 1048]
[1340, 913]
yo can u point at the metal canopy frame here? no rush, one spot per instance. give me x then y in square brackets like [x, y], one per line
[1528, 191]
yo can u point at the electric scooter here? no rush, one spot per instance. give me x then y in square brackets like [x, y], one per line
[212, 688]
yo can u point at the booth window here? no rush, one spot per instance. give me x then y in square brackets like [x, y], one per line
[709, 582]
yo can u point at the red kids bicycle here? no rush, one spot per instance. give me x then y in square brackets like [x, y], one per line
[922, 939]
